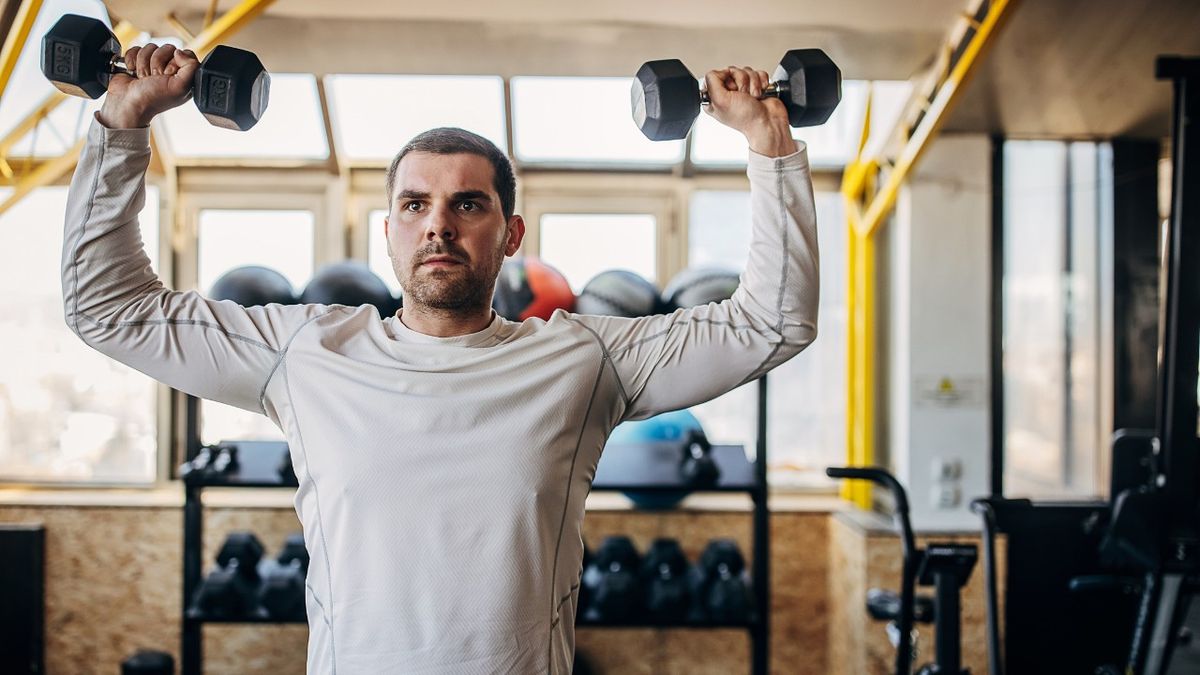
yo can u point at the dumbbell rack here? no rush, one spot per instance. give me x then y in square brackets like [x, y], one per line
[258, 468]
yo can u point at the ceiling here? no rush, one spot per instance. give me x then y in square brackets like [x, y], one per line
[1059, 68]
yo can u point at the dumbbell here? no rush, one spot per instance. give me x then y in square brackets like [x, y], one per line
[667, 98]
[230, 591]
[80, 54]
[697, 468]
[664, 581]
[720, 592]
[612, 581]
[281, 594]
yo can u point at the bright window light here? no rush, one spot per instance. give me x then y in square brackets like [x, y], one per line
[280, 240]
[888, 98]
[719, 229]
[377, 257]
[375, 115]
[584, 120]
[581, 245]
[27, 87]
[68, 414]
[291, 127]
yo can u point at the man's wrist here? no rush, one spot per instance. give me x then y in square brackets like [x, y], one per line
[771, 140]
[124, 118]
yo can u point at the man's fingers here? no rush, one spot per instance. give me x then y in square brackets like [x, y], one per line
[143, 60]
[131, 59]
[160, 58]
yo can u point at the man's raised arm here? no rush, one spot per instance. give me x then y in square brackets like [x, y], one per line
[113, 300]
[695, 354]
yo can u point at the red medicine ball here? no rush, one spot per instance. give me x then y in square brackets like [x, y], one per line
[528, 288]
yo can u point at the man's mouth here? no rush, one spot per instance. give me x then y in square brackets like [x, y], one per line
[441, 261]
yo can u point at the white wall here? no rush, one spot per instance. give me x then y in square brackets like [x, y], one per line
[937, 351]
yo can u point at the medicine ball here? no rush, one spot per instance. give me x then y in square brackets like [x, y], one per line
[528, 288]
[349, 283]
[669, 426]
[700, 286]
[253, 285]
[619, 293]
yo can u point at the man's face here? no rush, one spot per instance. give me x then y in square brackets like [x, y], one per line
[446, 232]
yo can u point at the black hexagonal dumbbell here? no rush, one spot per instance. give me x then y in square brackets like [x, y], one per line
[281, 594]
[667, 98]
[612, 581]
[719, 584]
[80, 54]
[664, 581]
[230, 591]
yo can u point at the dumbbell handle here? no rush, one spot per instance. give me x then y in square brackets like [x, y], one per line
[778, 88]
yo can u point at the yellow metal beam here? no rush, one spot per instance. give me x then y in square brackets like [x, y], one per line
[866, 209]
[948, 93]
[14, 42]
[50, 171]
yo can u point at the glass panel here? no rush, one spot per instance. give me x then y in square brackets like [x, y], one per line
[374, 115]
[806, 395]
[67, 412]
[291, 127]
[377, 257]
[232, 238]
[581, 120]
[581, 245]
[281, 240]
[1052, 209]
[719, 228]
[27, 87]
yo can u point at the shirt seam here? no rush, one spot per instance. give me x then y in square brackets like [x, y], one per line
[563, 518]
[262, 393]
[607, 357]
[87, 216]
[320, 526]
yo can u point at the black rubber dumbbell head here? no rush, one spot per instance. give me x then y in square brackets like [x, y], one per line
[243, 550]
[294, 549]
[232, 88]
[814, 86]
[666, 99]
[281, 594]
[77, 55]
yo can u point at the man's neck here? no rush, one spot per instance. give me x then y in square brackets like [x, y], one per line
[444, 322]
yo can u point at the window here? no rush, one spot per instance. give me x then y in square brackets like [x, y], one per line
[68, 414]
[1054, 205]
[375, 115]
[281, 240]
[377, 257]
[582, 120]
[291, 127]
[581, 245]
[806, 395]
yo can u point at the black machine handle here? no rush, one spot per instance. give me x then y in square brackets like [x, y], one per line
[908, 575]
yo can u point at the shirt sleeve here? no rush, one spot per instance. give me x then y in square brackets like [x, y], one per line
[673, 361]
[116, 304]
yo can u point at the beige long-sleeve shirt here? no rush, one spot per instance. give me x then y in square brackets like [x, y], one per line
[442, 480]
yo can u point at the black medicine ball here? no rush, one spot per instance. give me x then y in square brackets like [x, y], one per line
[619, 293]
[700, 286]
[349, 283]
[253, 285]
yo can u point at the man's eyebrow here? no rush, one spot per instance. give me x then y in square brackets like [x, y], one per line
[478, 195]
[412, 194]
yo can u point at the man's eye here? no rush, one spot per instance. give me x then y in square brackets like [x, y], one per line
[469, 206]
[412, 207]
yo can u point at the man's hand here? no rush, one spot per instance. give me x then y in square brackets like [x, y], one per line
[164, 81]
[733, 100]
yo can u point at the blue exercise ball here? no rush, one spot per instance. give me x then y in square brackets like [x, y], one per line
[669, 426]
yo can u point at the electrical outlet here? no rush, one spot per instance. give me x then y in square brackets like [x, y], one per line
[945, 497]
[944, 469]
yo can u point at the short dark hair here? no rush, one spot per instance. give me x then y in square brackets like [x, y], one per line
[452, 141]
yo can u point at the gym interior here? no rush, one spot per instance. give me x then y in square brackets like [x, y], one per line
[990, 447]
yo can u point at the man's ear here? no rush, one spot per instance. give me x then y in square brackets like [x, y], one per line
[386, 242]
[516, 234]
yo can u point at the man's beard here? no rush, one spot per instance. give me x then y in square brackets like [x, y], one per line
[458, 288]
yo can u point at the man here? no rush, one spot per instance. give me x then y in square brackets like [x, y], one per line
[443, 453]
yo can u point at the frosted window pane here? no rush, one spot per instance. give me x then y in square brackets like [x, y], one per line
[67, 412]
[581, 245]
[583, 120]
[377, 257]
[375, 115]
[291, 127]
[280, 240]
[719, 228]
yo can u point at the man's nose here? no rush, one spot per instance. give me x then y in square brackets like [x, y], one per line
[441, 225]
